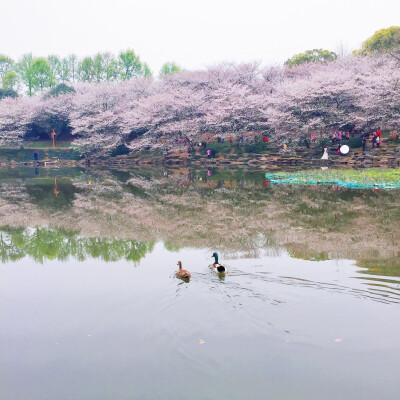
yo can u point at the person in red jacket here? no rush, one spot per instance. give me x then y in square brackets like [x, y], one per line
[378, 137]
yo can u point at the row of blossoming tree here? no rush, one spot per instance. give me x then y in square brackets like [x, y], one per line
[361, 92]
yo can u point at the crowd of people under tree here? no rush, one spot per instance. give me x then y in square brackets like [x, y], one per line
[338, 137]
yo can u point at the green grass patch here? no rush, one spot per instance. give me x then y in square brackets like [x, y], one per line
[45, 144]
[24, 155]
[257, 147]
[363, 179]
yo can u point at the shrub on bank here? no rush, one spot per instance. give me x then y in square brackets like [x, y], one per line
[256, 147]
[354, 142]
[119, 151]
[321, 143]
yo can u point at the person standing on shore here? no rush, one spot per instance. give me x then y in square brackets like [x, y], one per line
[378, 137]
[364, 141]
[374, 136]
[325, 155]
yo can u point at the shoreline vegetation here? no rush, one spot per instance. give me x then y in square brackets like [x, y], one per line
[252, 153]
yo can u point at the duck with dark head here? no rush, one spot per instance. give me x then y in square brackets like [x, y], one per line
[217, 266]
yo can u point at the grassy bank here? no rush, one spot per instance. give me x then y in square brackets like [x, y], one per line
[26, 154]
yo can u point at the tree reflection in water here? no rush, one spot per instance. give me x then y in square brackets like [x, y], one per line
[121, 214]
[60, 244]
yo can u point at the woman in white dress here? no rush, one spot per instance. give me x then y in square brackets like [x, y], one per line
[325, 155]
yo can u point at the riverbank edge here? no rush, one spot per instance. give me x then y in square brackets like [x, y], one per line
[377, 158]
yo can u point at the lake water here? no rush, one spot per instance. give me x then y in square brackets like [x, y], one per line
[90, 307]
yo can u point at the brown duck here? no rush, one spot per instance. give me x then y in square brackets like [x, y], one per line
[182, 273]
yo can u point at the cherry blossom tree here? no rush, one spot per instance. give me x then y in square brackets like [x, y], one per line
[228, 99]
[16, 115]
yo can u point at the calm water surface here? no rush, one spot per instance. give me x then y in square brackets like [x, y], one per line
[91, 308]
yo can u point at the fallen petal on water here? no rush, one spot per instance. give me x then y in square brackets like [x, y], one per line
[338, 340]
[201, 341]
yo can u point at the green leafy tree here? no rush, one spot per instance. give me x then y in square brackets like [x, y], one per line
[35, 73]
[105, 67]
[169, 68]
[55, 68]
[110, 67]
[309, 56]
[25, 71]
[42, 75]
[60, 68]
[146, 71]
[130, 65]
[10, 80]
[98, 67]
[64, 71]
[73, 69]
[6, 64]
[86, 70]
[384, 40]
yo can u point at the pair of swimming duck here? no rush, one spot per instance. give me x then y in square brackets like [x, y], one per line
[217, 267]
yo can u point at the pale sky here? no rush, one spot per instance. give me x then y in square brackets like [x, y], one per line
[192, 34]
